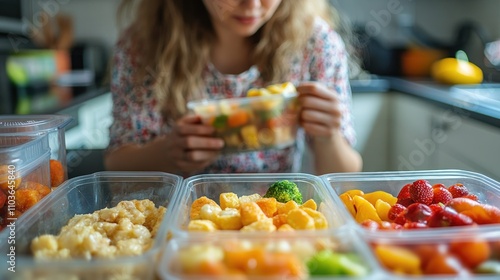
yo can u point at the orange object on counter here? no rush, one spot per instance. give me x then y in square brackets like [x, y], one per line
[418, 62]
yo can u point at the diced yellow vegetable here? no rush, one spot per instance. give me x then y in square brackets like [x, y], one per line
[299, 219]
[229, 200]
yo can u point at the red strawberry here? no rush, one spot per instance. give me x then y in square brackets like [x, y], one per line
[441, 195]
[395, 210]
[418, 212]
[436, 207]
[400, 219]
[414, 225]
[404, 196]
[390, 226]
[449, 217]
[421, 191]
[370, 225]
[458, 190]
[438, 186]
[471, 196]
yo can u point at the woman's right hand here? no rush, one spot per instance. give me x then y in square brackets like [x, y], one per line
[191, 145]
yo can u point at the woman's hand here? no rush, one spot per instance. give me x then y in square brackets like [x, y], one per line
[191, 145]
[321, 119]
[320, 115]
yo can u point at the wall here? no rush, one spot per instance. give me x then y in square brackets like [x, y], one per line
[439, 18]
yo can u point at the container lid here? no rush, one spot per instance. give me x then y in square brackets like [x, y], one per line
[14, 124]
[20, 150]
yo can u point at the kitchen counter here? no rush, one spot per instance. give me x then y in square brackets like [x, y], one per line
[447, 96]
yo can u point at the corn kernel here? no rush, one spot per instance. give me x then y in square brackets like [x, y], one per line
[320, 221]
[265, 224]
[311, 204]
[250, 212]
[299, 219]
[268, 206]
[202, 225]
[197, 204]
[229, 200]
[229, 219]
[287, 207]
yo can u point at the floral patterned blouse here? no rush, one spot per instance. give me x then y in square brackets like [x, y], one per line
[324, 59]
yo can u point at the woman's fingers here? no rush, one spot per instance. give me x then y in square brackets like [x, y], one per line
[202, 143]
[191, 125]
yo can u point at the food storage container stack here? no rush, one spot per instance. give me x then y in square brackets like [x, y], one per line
[24, 174]
[88, 251]
[441, 224]
[37, 125]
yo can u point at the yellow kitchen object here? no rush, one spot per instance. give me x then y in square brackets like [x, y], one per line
[456, 71]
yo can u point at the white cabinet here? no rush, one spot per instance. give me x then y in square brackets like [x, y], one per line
[371, 122]
[425, 137]
[412, 145]
[467, 144]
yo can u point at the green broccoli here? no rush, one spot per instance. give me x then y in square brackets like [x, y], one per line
[284, 191]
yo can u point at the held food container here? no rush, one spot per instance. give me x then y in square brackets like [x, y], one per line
[338, 255]
[85, 195]
[225, 203]
[252, 123]
[24, 174]
[53, 126]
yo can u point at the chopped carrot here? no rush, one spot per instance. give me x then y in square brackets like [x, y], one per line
[238, 118]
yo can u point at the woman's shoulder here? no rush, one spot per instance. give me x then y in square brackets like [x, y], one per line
[323, 35]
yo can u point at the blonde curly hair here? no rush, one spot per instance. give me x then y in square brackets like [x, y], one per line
[176, 58]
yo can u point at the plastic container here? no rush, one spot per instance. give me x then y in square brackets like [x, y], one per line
[24, 168]
[212, 185]
[82, 195]
[419, 244]
[251, 123]
[486, 189]
[266, 257]
[449, 254]
[52, 125]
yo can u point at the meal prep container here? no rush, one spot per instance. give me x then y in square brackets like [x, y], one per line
[295, 250]
[82, 195]
[36, 125]
[422, 243]
[251, 123]
[24, 164]
[212, 185]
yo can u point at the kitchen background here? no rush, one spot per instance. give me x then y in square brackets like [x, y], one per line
[389, 138]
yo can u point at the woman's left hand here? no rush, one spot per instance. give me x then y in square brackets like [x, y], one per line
[320, 114]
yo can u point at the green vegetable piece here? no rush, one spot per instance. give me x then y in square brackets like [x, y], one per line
[488, 267]
[327, 262]
[324, 263]
[220, 121]
[284, 191]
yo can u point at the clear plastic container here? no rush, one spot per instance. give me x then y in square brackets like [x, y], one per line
[212, 185]
[449, 254]
[82, 195]
[24, 168]
[486, 189]
[52, 125]
[269, 257]
[252, 123]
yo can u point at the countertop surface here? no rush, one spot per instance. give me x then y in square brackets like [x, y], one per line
[482, 101]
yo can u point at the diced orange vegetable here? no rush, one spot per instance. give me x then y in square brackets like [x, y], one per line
[268, 206]
[56, 173]
[238, 118]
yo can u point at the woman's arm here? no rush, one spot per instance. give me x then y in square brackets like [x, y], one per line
[321, 119]
[138, 140]
[326, 115]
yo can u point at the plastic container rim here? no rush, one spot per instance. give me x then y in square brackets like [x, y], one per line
[76, 182]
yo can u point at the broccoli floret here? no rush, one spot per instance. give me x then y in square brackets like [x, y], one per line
[284, 191]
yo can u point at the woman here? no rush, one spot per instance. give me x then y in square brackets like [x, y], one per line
[176, 51]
